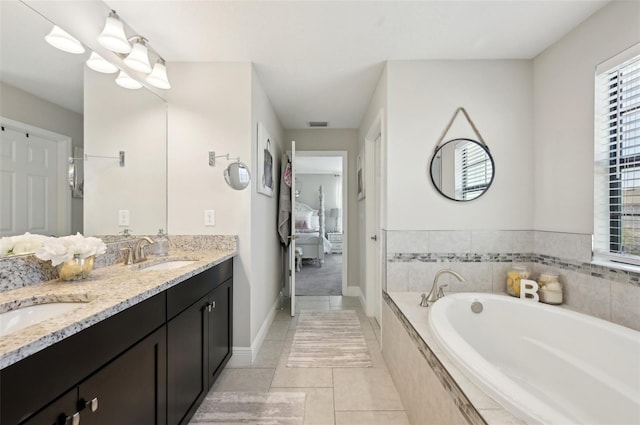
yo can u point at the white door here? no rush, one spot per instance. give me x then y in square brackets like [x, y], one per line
[28, 183]
[377, 293]
[292, 245]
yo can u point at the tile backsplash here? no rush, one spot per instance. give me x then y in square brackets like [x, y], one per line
[484, 257]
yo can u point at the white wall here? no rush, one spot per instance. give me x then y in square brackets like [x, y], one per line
[422, 97]
[21, 106]
[210, 109]
[309, 185]
[337, 140]
[134, 121]
[267, 270]
[563, 79]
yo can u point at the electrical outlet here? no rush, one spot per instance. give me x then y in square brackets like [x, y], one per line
[209, 218]
[123, 218]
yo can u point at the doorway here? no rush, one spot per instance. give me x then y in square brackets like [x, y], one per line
[33, 180]
[321, 203]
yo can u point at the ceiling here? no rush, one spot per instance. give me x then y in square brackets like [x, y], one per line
[317, 60]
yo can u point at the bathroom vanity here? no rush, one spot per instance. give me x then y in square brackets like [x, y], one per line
[150, 362]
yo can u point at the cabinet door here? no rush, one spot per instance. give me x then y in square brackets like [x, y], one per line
[131, 390]
[219, 329]
[60, 411]
[185, 359]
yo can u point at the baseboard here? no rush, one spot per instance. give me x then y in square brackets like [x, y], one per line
[353, 291]
[245, 356]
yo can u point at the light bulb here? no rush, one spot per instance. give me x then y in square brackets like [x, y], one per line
[138, 59]
[99, 64]
[112, 36]
[60, 39]
[124, 80]
[158, 77]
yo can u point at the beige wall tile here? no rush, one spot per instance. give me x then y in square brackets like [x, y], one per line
[625, 305]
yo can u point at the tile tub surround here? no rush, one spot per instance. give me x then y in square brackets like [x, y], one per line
[433, 390]
[111, 290]
[484, 257]
[23, 270]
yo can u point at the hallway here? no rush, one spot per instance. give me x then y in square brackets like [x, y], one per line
[340, 396]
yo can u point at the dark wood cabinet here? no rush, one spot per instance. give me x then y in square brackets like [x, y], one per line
[152, 363]
[198, 339]
[219, 330]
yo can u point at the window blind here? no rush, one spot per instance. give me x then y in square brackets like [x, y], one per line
[617, 159]
[473, 171]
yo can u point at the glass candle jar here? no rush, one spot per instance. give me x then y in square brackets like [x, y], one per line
[550, 288]
[514, 275]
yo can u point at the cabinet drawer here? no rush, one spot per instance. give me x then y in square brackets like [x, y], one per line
[191, 290]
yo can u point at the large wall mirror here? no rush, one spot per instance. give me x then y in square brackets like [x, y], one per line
[462, 169]
[54, 93]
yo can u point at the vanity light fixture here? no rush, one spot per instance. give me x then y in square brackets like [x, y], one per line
[99, 64]
[60, 39]
[158, 77]
[138, 59]
[124, 80]
[112, 36]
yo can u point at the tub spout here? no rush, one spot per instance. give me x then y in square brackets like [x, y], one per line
[437, 291]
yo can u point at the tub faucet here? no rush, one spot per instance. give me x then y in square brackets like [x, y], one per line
[138, 249]
[437, 292]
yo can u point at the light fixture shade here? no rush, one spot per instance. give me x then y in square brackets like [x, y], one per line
[60, 39]
[158, 77]
[138, 59]
[99, 64]
[113, 37]
[127, 82]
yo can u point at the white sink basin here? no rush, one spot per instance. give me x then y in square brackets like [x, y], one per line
[20, 318]
[169, 265]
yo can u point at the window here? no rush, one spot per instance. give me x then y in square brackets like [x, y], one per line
[473, 171]
[617, 159]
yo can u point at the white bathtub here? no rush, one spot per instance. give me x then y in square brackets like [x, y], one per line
[545, 364]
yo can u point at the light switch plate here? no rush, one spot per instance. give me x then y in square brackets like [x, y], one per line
[209, 217]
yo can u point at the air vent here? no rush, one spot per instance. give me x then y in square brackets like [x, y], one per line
[318, 124]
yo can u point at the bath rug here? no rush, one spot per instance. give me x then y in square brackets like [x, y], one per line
[251, 408]
[329, 339]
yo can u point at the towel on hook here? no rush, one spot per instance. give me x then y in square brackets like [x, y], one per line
[284, 202]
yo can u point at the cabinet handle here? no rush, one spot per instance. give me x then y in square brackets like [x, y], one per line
[211, 306]
[73, 419]
[92, 404]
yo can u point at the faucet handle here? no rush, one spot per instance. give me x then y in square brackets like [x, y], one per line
[441, 290]
[127, 253]
[423, 301]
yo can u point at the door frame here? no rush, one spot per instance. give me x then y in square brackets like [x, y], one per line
[63, 224]
[375, 251]
[345, 207]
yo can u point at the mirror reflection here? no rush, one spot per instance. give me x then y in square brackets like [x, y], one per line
[237, 175]
[43, 93]
[462, 169]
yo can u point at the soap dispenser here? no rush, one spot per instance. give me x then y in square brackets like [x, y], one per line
[162, 243]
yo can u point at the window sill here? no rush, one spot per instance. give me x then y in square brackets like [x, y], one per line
[597, 261]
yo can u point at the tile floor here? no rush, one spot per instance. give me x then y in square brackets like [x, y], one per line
[335, 396]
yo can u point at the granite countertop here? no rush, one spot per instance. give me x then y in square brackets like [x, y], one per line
[107, 291]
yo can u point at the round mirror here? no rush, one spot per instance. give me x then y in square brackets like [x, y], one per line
[462, 169]
[237, 175]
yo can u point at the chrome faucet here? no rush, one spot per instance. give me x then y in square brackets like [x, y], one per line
[437, 292]
[138, 249]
